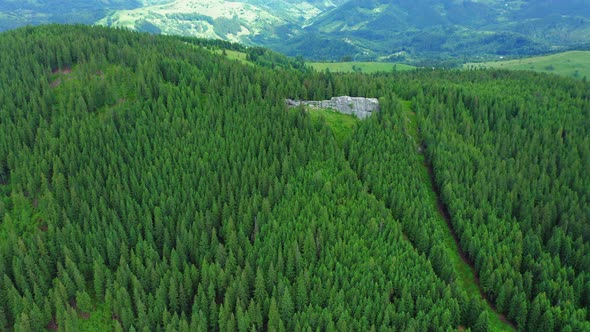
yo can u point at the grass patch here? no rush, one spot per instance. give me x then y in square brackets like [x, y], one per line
[19, 216]
[340, 124]
[100, 320]
[574, 64]
[234, 55]
[363, 67]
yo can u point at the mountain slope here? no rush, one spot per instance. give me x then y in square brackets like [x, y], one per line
[231, 20]
[402, 30]
[445, 29]
[441, 32]
[170, 187]
[16, 13]
[157, 182]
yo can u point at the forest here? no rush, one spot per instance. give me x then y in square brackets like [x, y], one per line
[151, 183]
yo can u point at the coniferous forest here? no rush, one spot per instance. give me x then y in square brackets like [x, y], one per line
[153, 183]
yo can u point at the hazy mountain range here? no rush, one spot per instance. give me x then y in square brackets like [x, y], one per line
[389, 30]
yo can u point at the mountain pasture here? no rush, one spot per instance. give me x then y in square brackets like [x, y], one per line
[363, 67]
[572, 64]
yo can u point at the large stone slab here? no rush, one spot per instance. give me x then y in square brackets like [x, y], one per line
[358, 106]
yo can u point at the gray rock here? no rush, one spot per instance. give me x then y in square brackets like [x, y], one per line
[358, 106]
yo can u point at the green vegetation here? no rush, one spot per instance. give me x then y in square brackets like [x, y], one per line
[247, 55]
[225, 26]
[439, 33]
[341, 125]
[99, 319]
[574, 64]
[14, 14]
[422, 33]
[234, 55]
[242, 21]
[149, 183]
[362, 67]
[394, 157]
[465, 275]
[24, 217]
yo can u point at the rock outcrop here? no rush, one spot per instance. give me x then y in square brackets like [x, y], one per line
[358, 106]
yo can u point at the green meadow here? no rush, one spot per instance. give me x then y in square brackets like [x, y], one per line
[572, 64]
[363, 67]
[341, 124]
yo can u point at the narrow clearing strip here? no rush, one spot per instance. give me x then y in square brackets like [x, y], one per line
[463, 266]
[467, 278]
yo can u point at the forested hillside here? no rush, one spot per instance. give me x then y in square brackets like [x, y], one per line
[507, 152]
[153, 183]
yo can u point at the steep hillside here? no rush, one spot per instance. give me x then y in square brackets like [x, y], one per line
[247, 21]
[161, 183]
[235, 21]
[168, 186]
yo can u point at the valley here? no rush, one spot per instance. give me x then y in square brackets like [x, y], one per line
[424, 33]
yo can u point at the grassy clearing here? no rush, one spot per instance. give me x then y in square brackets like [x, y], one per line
[363, 67]
[340, 124]
[465, 273]
[99, 320]
[19, 215]
[572, 64]
[234, 55]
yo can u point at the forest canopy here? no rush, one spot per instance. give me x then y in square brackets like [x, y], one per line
[151, 183]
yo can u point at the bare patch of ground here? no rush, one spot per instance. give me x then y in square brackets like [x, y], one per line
[62, 71]
[52, 325]
[55, 83]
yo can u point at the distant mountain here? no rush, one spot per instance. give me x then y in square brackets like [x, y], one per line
[417, 31]
[238, 21]
[406, 29]
[15, 13]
